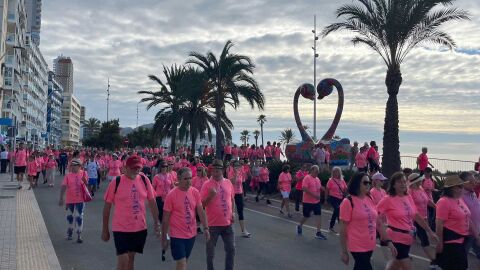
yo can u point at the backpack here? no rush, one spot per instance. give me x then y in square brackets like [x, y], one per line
[118, 178]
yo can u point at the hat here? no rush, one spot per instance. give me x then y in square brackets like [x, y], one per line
[114, 155]
[452, 180]
[415, 178]
[379, 176]
[134, 162]
[76, 162]
[217, 164]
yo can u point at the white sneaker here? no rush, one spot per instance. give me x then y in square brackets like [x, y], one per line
[246, 234]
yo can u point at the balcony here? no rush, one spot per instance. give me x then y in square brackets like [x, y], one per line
[11, 18]
[10, 39]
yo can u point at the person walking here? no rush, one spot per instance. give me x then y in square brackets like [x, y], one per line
[453, 226]
[217, 196]
[361, 160]
[32, 167]
[73, 185]
[285, 186]
[264, 178]
[92, 169]
[50, 167]
[3, 160]
[359, 222]
[114, 167]
[20, 163]
[162, 184]
[335, 192]
[470, 199]
[422, 160]
[312, 188]
[128, 194]
[62, 162]
[377, 192]
[353, 155]
[400, 212]
[181, 206]
[298, 185]
[237, 177]
[429, 186]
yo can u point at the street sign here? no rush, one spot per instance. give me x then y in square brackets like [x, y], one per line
[6, 122]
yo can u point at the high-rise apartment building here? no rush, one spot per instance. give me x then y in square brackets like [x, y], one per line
[34, 19]
[63, 68]
[82, 123]
[70, 120]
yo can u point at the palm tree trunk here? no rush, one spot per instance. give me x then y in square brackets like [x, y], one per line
[261, 130]
[218, 129]
[194, 140]
[256, 141]
[391, 143]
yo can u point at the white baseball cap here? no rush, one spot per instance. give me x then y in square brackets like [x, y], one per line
[379, 176]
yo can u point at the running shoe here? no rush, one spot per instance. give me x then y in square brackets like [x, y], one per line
[282, 213]
[79, 240]
[320, 235]
[246, 234]
[299, 230]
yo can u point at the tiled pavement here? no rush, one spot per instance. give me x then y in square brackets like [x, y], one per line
[24, 240]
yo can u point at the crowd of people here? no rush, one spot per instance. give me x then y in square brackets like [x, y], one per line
[187, 197]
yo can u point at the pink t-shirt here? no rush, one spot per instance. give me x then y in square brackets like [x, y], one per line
[313, 185]
[285, 182]
[219, 210]
[227, 149]
[268, 151]
[377, 195]
[362, 223]
[238, 186]
[300, 175]
[264, 173]
[114, 168]
[234, 152]
[162, 184]
[129, 201]
[420, 198]
[198, 181]
[400, 212]
[276, 152]
[74, 182]
[20, 158]
[360, 160]
[428, 186]
[51, 163]
[336, 188]
[182, 205]
[455, 215]
[32, 167]
[422, 161]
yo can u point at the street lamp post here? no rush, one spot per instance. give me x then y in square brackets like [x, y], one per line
[315, 55]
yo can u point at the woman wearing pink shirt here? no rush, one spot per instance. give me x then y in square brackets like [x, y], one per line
[162, 184]
[263, 183]
[285, 186]
[400, 212]
[237, 178]
[50, 168]
[429, 186]
[200, 179]
[32, 167]
[336, 191]
[453, 225]
[422, 201]
[181, 205]
[114, 167]
[73, 185]
[377, 192]
[20, 163]
[298, 185]
[361, 160]
[359, 223]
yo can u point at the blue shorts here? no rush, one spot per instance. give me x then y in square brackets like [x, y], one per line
[92, 181]
[181, 248]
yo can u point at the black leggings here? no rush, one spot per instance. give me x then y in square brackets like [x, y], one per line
[298, 199]
[362, 260]
[262, 187]
[239, 205]
[160, 208]
[335, 203]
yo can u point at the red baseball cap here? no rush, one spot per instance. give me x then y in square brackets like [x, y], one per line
[134, 162]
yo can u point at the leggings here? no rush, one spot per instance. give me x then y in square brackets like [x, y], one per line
[262, 188]
[239, 205]
[335, 203]
[362, 260]
[160, 208]
[75, 217]
[298, 199]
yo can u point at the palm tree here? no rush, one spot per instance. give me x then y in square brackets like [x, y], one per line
[287, 136]
[231, 77]
[169, 95]
[244, 135]
[256, 134]
[393, 28]
[261, 120]
[197, 115]
[92, 126]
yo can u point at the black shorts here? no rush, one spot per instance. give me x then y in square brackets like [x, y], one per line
[403, 251]
[181, 248]
[19, 169]
[453, 257]
[422, 235]
[309, 207]
[129, 241]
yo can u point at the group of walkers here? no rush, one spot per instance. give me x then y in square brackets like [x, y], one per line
[187, 198]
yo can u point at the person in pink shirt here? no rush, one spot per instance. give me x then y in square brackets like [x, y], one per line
[235, 152]
[359, 222]
[428, 186]
[218, 199]
[73, 185]
[422, 160]
[114, 167]
[377, 192]
[211, 150]
[264, 178]
[298, 185]
[227, 150]
[50, 167]
[182, 204]
[400, 212]
[200, 179]
[453, 226]
[205, 151]
[285, 186]
[237, 178]
[277, 152]
[268, 152]
[128, 194]
[361, 160]
[312, 188]
[162, 184]
[335, 192]
[20, 163]
[260, 153]
[422, 201]
[32, 167]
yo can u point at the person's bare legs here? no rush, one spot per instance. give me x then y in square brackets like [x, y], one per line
[131, 260]
[126, 261]
[182, 264]
[404, 264]
[302, 221]
[286, 203]
[242, 225]
[318, 222]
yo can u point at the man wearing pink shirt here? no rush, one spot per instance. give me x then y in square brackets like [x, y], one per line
[181, 205]
[268, 152]
[227, 149]
[218, 199]
[422, 160]
[20, 163]
[128, 193]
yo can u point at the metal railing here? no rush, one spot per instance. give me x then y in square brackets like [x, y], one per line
[442, 165]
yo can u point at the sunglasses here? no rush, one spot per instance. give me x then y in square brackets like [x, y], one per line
[366, 183]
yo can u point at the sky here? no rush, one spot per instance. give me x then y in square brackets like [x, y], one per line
[127, 40]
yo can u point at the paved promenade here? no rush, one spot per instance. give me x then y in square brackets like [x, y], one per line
[24, 240]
